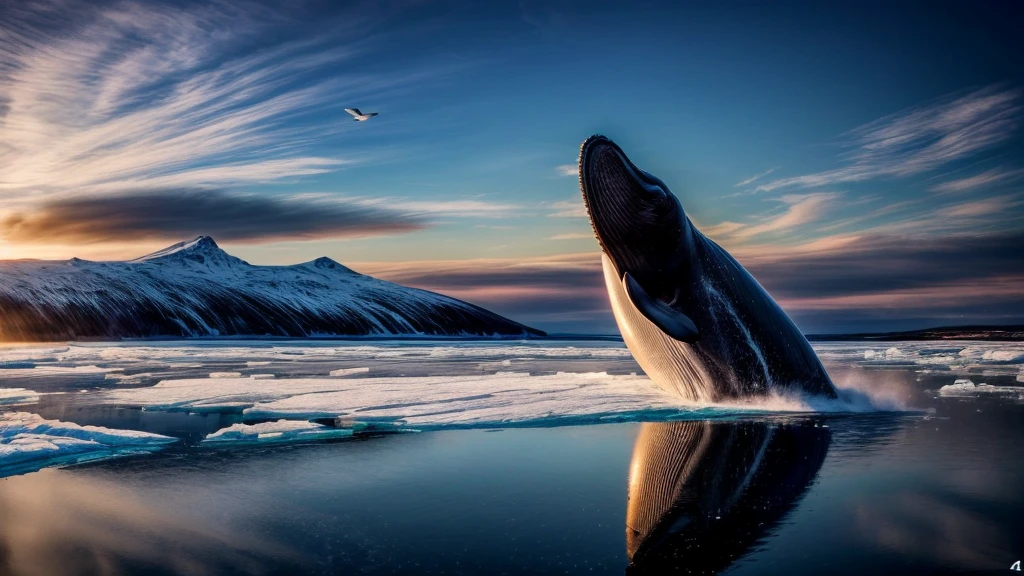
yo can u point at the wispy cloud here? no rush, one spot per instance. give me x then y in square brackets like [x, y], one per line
[977, 208]
[800, 210]
[138, 95]
[755, 177]
[890, 270]
[978, 181]
[920, 139]
[565, 292]
[571, 236]
[460, 208]
[568, 170]
[568, 209]
[843, 278]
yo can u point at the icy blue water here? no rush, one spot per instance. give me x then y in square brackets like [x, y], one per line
[426, 457]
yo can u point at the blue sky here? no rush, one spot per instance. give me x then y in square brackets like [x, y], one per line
[865, 162]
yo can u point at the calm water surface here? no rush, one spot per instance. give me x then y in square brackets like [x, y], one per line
[935, 491]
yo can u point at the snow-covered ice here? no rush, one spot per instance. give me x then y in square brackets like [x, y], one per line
[431, 402]
[402, 385]
[10, 396]
[421, 402]
[42, 370]
[279, 431]
[29, 442]
[349, 371]
[966, 387]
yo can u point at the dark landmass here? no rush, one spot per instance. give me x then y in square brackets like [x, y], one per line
[1013, 333]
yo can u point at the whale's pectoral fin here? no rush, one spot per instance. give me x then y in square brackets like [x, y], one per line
[671, 321]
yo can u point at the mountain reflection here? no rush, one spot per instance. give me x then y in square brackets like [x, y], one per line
[58, 522]
[701, 494]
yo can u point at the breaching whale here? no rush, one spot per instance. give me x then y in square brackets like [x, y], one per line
[695, 320]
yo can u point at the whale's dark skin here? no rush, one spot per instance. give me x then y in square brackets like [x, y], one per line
[695, 320]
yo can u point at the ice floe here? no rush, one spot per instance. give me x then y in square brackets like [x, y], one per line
[961, 358]
[349, 371]
[128, 378]
[432, 402]
[888, 353]
[10, 396]
[966, 387]
[421, 402]
[37, 370]
[261, 353]
[30, 442]
[279, 431]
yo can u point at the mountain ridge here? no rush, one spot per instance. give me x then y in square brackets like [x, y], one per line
[196, 289]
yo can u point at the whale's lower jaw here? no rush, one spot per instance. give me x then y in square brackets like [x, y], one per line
[672, 365]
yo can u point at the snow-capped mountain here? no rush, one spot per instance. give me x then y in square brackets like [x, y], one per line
[196, 289]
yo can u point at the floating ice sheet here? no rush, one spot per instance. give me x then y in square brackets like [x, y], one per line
[261, 353]
[257, 353]
[965, 387]
[9, 396]
[272, 432]
[962, 358]
[480, 401]
[34, 370]
[420, 402]
[349, 371]
[30, 442]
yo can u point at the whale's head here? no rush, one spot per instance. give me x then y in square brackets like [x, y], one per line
[638, 221]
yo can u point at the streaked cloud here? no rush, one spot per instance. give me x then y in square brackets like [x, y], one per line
[563, 293]
[800, 210]
[568, 170]
[978, 181]
[984, 207]
[110, 111]
[879, 264]
[829, 282]
[466, 208]
[755, 177]
[571, 236]
[920, 139]
[135, 96]
[171, 215]
[568, 209]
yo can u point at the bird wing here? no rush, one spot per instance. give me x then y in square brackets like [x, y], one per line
[371, 113]
[354, 111]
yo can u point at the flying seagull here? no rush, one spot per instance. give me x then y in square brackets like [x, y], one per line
[359, 116]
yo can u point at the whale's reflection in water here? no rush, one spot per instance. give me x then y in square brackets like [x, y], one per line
[701, 494]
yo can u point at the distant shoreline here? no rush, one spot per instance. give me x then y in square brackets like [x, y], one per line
[329, 338]
[1013, 333]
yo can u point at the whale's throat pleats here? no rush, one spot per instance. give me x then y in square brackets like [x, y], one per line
[671, 364]
[664, 459]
